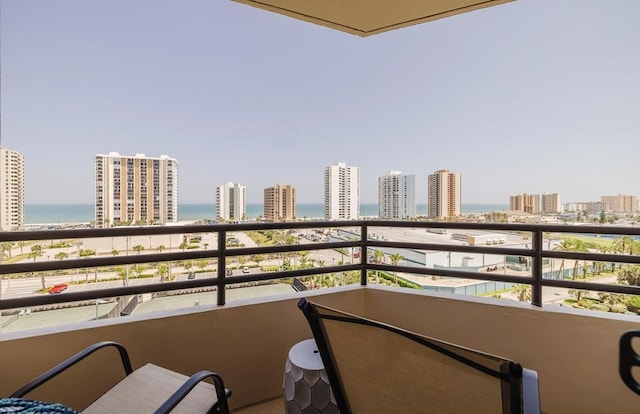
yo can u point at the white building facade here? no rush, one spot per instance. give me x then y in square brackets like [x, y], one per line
[396, 196]
[135, 189]
[231, 202]
[341, 192]
[11, 190]
[443, 194]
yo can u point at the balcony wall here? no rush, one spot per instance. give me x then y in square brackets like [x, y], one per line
[575, 354]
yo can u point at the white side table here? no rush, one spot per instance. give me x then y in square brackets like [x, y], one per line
[306, 385]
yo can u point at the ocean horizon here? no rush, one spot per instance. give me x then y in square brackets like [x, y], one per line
[84, 213]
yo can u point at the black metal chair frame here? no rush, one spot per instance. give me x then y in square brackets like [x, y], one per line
[221, 405]
[629, 359]
[510, 373]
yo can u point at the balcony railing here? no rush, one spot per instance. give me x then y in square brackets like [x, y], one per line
[533, 250]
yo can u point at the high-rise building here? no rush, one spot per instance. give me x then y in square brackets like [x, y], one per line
[11, 190]
[548, 203]
[231, 202]
[135, 189]
[341, 192]
[396, 196]
[529, 203]
[280, 203]
[444, 194]
[620, 203]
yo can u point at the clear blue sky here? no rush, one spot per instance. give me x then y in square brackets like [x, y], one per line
[532, 96]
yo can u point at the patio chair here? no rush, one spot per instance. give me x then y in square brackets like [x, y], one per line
[149, 389]
[375, 367]
[629, 359]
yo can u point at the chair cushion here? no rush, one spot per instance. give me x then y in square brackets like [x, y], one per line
[144, 391]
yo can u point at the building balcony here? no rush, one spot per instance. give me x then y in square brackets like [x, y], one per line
[246, 339]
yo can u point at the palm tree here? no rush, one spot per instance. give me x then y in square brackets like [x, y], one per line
[21, 244]
[183, 246]
[523, 292]
[36, 251]
[395, 259]
[162, 271]
[6, 247]
[161, 248]
[115, 252]
[378, 255]
[138, 248]
[121, 271]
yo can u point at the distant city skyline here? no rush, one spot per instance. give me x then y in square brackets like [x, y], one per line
[534, 94]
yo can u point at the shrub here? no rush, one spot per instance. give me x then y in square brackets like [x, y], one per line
[633, 304]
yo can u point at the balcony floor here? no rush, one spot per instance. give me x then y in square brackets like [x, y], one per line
[275, 406]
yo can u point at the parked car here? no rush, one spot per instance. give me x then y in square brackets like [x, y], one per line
[59, 288]
[191, 275]
[245, 269]
[229, 272]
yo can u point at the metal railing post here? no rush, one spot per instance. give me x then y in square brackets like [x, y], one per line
[363, 253]
[222, 266]
[536, 268]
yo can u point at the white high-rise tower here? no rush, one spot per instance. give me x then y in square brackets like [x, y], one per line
[341, 192]
[136, 189]
[231, 202]
[11, 190]
[396, 196]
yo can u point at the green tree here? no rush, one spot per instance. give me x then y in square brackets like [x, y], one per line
[36, 251]
[161, 248]
[138, 248]
[257, 258]
[202, 264]
[122, 272]
[61, 255]
[162, 271]
[395, 259]
[115, 252]
[21, 245]
[6, 247]
[629, 275]
[523, 292]
[184, 245]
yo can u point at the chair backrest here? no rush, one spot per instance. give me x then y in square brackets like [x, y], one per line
[376, 367]
[629, 359]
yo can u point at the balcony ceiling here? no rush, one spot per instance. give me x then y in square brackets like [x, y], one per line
[369, 17]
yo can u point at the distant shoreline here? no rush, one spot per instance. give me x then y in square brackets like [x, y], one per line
[75, 214]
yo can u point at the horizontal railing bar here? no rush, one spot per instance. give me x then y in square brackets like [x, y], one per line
[450, 248]
[457, 274]
[603, 287]
[593, 257]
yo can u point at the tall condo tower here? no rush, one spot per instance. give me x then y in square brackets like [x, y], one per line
[280, 203]
[341, 192]
[11, 190]
[231, 202]
[396, 196]
[444, 194]
[137, 189]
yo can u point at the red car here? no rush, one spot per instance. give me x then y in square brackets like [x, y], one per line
[60, 287]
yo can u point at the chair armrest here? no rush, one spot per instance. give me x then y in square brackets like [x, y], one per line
[63, 366]
[530, 392]
[222, 394]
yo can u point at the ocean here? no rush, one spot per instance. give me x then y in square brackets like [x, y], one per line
[84, 213]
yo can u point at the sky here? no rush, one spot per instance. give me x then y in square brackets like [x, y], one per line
[532, 96]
